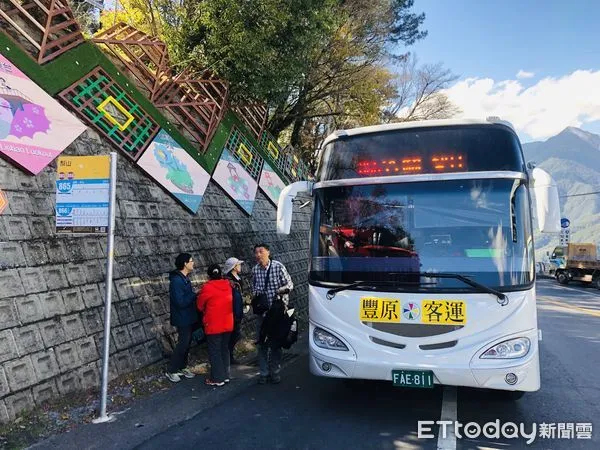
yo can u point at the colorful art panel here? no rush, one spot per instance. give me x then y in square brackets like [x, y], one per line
[235, 181]
[271, 183]
[174, 169]
[106, 107]
[34, 128]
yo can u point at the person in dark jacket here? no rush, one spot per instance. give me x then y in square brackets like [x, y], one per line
[232, 269]
[215, 302]
[183, 316]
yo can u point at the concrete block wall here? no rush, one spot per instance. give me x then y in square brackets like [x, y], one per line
[52, 286]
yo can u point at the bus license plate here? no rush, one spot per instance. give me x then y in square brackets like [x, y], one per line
[413, 378]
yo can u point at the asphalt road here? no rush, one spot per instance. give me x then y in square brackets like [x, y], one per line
[306, 412]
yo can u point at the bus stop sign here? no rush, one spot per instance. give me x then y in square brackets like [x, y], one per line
[564, 223]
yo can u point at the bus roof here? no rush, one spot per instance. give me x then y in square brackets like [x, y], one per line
[414, 124]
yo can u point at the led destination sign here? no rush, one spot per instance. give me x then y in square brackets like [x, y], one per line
[434, 150]
[437, 163]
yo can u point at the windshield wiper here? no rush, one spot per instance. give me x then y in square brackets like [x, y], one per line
[502, 298]
[373, 284]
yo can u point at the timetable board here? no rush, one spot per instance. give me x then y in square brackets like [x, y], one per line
[82, 194]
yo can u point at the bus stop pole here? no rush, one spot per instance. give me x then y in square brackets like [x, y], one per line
[108, 295]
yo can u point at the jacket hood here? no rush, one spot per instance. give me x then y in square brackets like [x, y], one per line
[217, 286]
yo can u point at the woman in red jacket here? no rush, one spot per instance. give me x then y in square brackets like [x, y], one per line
[216, 303]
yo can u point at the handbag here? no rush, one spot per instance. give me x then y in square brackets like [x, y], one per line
[291, 325]
[280, 325]
[260, 302]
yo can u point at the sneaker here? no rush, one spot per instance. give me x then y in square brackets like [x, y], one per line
[187, 373]
[262, 380]
[275, 379]
[173, 377]
[214, 383]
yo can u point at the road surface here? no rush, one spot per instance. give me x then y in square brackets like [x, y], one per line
[306, 412]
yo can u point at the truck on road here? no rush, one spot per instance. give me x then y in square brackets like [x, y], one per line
[576, 262]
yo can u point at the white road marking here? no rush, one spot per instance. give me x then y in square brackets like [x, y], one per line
[448, 442]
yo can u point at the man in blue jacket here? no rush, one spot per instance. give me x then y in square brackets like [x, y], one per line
[183, 316]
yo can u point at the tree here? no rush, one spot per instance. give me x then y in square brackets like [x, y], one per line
[86, 14]
[420, 95]
[359, 103]
[319, 64]
[262, 47]
[144, 15]
[355, 52]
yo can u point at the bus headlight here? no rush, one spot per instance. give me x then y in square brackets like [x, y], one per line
[327, 340]
[513, 348]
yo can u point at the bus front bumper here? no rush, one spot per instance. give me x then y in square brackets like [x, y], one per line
[460, 368]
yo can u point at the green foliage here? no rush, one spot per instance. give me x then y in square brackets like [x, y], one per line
[319, 64]
[262, 47]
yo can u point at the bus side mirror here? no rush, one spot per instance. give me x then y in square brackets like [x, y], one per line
[285, 207]
[546, 201]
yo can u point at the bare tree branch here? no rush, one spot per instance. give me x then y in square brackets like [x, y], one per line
[420, 94]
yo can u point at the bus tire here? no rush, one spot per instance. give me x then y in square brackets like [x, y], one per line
[562, 277]
[596, 282]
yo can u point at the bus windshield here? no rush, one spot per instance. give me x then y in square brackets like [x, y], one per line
[480, 228]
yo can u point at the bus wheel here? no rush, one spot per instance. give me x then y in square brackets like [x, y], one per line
[562, 278]
[596, 282]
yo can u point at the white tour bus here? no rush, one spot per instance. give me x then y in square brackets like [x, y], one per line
[422, 266]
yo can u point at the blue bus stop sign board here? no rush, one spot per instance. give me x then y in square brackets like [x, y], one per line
[564, 223]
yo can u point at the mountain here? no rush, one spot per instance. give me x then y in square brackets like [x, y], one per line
[572, 157]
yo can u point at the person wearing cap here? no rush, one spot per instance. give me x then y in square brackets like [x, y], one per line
[215, 301]
[232, 269]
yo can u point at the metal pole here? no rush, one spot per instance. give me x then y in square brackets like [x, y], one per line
[108, 297]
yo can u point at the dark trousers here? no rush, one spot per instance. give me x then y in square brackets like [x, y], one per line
[234, 338]
[269, 354]
[179, 358]
[218, 355]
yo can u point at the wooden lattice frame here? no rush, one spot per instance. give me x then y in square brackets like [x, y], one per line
[197, 102]
[254, 115]
[47, 25]
[108, 108]
[145, 57]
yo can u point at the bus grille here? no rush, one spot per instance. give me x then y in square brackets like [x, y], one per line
[413, 330]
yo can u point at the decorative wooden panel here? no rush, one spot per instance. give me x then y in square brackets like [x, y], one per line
[254, 115]
[145, 57]
[105, 106]
[197, 102]
[44, 28]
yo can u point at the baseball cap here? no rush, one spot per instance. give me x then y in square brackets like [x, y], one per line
[230, 264]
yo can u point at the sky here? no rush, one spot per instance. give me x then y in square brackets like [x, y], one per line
[535, 63]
